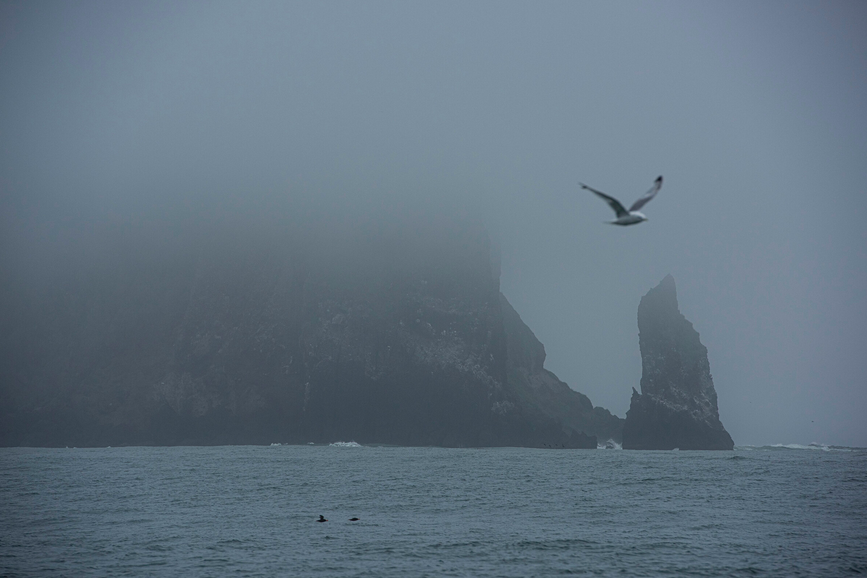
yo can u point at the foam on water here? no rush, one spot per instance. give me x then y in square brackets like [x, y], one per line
[345, 445]
[815, 446]
[812, 446]
[609, 445]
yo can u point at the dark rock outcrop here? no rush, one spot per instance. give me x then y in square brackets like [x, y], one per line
[677, 406]
[389, 331]
[541, 390]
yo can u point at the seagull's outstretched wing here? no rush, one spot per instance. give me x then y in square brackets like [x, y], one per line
[612, 202]
[657, 184]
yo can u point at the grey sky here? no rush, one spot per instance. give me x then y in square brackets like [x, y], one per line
[755, 113]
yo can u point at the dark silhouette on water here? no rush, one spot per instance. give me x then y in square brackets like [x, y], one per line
[353, 519]
[677, 406]
[321, 518]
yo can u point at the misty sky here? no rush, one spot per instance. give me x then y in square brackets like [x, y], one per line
[754, 112]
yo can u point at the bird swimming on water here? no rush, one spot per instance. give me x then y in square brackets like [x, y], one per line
[632, 216]
[321, 518]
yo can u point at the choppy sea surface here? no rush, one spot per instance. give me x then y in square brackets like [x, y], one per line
[252, 511]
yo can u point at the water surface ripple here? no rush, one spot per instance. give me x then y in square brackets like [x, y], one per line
[210, 511]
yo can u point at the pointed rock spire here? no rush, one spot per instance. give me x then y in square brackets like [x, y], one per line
[677, 406]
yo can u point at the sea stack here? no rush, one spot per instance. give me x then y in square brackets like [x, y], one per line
[677, 406]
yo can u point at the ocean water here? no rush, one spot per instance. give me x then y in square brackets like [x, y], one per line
[251, 511]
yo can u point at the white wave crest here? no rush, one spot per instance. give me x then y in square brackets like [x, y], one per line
[345, 445]
[815, 446]
[276, 445]
[812, 446]
[609, 445]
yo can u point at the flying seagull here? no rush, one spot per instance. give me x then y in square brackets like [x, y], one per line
[632, 216]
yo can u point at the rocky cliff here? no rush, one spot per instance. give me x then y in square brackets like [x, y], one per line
[541, 390]
[677, 406]
[390, 332]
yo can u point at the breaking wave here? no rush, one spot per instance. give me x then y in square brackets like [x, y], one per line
[345, 445]
[812, 446]
[609, 445]
[815, 446]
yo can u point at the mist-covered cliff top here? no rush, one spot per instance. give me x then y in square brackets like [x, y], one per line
[382, 326]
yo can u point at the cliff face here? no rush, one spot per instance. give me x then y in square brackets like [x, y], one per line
[677, 406]
[541, 390]
[391, 333]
